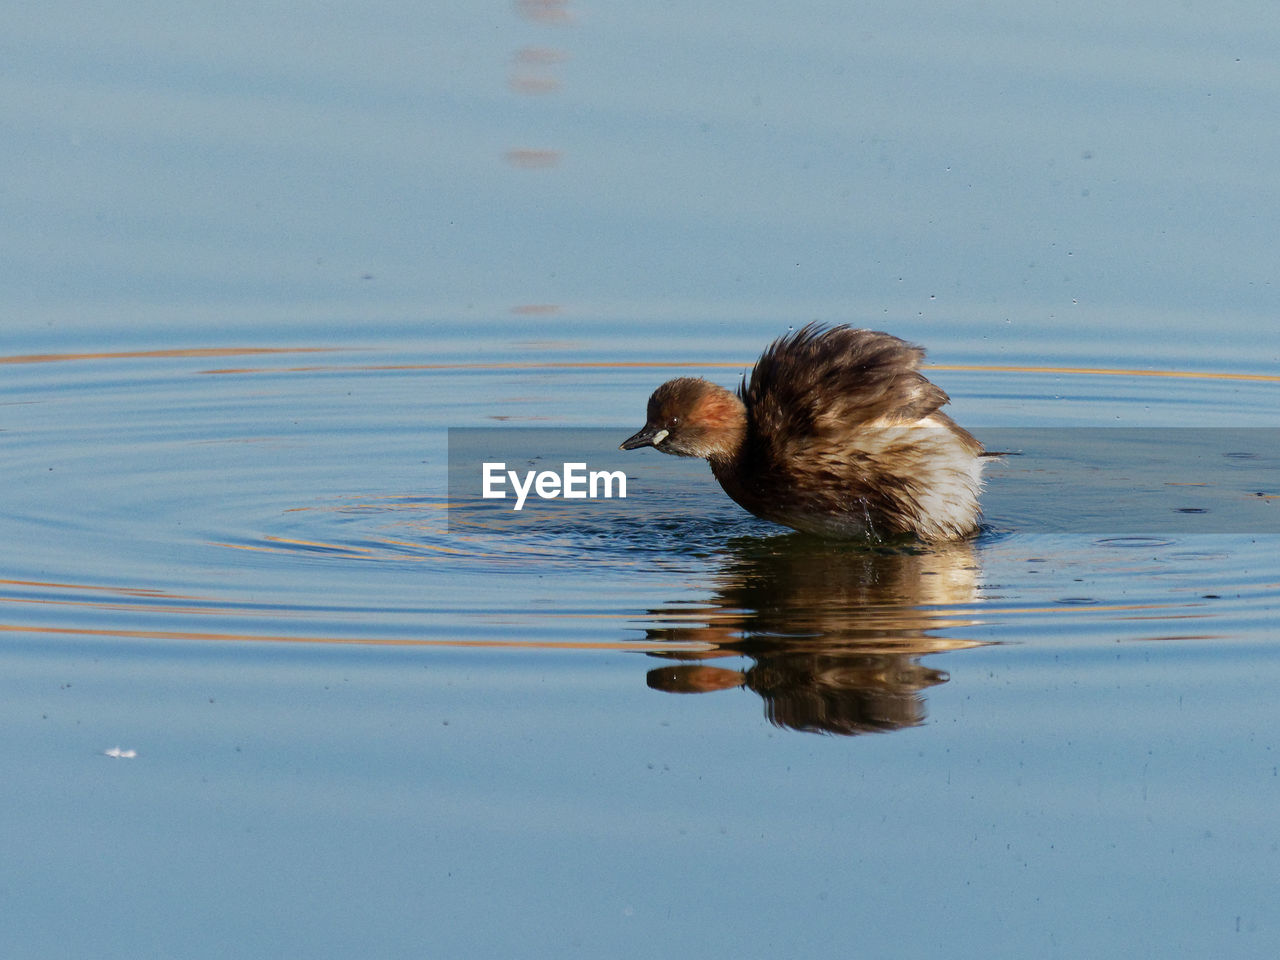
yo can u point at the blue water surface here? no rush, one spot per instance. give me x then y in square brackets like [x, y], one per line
[262, 698]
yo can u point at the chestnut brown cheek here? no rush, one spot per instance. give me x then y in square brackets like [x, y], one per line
[717, 415]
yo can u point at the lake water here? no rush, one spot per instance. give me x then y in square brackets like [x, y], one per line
[274, 684]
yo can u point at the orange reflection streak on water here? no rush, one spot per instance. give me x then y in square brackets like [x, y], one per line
[316, 544]
[198, 352]
[147, 592]
[160, 600]
[928, 621]
[688, 365]
[154, 354]
[874, 618]
[351, 553]
[528, 158]
[575, 365]
[1082, 608]
[1108, 372]
[627, 645]
[532, 85]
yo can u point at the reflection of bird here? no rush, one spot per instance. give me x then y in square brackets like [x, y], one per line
[834, 630]
[836, 432]
[843, 693]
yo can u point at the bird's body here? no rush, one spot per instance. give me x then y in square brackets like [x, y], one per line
[835, 432]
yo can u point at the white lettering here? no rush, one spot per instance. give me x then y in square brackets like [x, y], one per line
[573, 482]
[608, 476]
[521, 492]
[548, 485]
[493, 475]
[573, 473]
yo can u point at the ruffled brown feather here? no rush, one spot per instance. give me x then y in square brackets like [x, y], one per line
[835, 432]
[819, 378]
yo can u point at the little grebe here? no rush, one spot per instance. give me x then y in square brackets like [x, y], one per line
[836, 433]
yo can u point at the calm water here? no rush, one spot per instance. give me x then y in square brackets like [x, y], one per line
[258, 267]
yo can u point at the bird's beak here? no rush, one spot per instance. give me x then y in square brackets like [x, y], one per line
[649, 436]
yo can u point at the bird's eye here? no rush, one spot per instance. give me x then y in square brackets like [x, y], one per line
[674, 421]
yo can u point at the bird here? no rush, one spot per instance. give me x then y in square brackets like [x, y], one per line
[835, 432]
